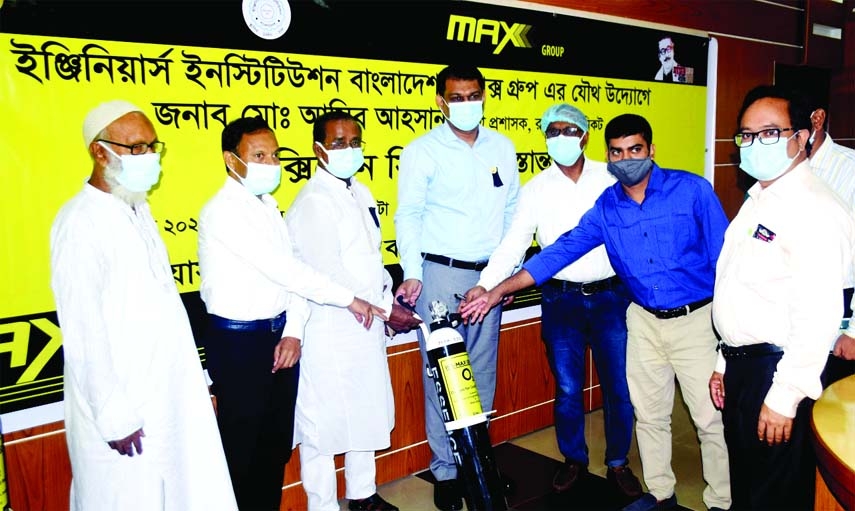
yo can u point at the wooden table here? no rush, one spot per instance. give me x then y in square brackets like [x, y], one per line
[833, 424]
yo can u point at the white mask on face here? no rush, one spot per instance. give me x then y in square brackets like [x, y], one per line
[343, 163]
[766, 162]
[139, 171]
[260, 178]
[465, 115]
[111, 173]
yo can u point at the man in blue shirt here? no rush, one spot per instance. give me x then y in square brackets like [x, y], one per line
[457, 190]
[663, 230]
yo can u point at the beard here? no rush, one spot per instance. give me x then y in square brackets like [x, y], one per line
[111, 174]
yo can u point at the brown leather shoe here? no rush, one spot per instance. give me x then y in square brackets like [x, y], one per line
[625, 481]
[567, 475]
[372, 503]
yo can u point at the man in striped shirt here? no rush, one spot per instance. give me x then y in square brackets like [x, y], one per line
[835, 164]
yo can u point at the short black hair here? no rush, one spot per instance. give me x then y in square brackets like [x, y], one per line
[458, 72]
[319, 130]
[626, 125]
[235, 130]
[797, 105]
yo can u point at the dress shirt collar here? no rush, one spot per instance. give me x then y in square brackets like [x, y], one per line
[330, 180]
[820, 152]
[784, 184]
[448, 136]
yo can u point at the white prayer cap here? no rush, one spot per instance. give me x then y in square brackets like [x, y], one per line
[103, 115]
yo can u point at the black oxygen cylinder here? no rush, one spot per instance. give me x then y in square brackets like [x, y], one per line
[465, 421]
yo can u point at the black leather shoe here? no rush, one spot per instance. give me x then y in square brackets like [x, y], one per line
[447, 495]
[372, 503]
[625, 481]
[567, 474]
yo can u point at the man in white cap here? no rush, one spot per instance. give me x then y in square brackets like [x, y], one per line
[140, 427]
[584, 304]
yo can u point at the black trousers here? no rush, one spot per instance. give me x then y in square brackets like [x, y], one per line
[763, 477]
[255, 412]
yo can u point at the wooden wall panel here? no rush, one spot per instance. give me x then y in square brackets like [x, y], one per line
[38, 472]
[782, 20]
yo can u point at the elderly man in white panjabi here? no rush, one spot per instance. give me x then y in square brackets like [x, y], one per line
[140, 427]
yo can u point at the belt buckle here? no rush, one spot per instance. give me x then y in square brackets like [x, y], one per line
[582, 290]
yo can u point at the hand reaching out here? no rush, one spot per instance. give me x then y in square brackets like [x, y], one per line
[401, 320]
[364, 312]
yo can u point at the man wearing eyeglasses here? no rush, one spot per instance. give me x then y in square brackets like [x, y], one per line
[777, 305]
[668, 64]
[344, 403]
[255, 292]
[583, 304]
[662, 230]
[457, 190]
[139, 424]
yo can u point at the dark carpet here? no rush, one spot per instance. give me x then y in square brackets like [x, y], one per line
[531, 474]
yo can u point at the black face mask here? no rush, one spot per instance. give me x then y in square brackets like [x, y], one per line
[630, 172]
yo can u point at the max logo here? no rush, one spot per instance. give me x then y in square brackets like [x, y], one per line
[473, 30]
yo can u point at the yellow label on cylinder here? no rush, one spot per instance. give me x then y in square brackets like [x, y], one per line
[460, 385]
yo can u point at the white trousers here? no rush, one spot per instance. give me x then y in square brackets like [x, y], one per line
[656, 351]
[319, 477]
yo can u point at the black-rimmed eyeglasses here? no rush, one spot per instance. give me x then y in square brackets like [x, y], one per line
[766, 137]
[142, 148]
[569, 131]
[341, 144]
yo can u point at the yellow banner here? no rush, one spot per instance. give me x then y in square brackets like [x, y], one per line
[190, 93]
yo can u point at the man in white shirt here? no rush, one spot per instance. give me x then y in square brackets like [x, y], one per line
[835, 164]
[584, 304]
[255, 294]
[139, 423]
[777, 305]
[345, 402]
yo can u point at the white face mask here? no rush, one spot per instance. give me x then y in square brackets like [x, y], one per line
[564, 150]
[766, 162]
[111, 173]
[465, 115]
[343, 163]
[260, 178]
[139, 171]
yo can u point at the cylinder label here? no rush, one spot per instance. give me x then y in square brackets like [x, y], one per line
[460, 385]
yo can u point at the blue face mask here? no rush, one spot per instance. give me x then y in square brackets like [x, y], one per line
[564, 150]
[630, 172]
[139, 171]
[260, 178]
[465, 115]
[766, 162]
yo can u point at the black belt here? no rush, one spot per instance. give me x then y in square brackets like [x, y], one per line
[586, 288]
[749, 351]
[677, 312]
[258, 325]
[455, 263]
